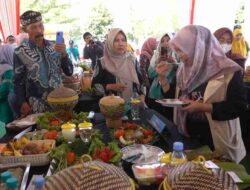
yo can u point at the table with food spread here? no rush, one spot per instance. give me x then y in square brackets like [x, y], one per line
[110, 150]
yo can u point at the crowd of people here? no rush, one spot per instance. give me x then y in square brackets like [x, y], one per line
[201, 68]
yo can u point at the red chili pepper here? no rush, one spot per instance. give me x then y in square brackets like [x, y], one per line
[106, 149]
[98, 152]
[110, 154]
[104, 157]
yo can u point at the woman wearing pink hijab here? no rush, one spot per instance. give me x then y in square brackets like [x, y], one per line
[147, 52]
[212, 86]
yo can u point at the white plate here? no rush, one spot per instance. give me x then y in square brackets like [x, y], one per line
[150, 154]
[171, 102]
[24, 122]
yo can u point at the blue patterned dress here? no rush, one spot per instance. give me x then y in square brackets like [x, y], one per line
[37, 71]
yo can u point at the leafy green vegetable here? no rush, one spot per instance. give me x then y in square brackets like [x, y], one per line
[78, 147]
[43, 121]
[117, 152]
[59, 154]
[72, 117]
[95, 142]
[116, 158]
[79, 118]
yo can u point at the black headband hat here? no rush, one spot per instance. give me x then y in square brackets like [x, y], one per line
[30, 17]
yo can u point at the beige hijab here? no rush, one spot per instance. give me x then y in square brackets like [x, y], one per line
[209, 62]
[121, 66]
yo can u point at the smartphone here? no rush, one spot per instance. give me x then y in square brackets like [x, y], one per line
[164, 51]
[59, 37]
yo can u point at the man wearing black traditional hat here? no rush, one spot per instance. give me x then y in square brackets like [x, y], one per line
[38, 66]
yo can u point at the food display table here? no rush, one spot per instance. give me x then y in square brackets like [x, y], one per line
[165, 141]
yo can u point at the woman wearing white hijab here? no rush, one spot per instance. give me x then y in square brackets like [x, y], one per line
[116, 72]
[212, 85]
[162, 75]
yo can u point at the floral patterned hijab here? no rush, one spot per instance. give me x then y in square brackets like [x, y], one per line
[208, 58]
[208, 62]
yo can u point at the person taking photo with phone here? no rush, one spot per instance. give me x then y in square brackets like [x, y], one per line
[93, 50]
[162, 76]
[38, 66]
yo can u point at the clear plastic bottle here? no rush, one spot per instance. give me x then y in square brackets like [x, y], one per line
[39, 182]
[4, 176]
[178, 156]
[12, 183]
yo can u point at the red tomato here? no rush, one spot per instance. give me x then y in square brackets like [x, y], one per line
[131, 126]
[118, 133]
[54, 122]
[70, 157]
[51, 134]
[147, 132]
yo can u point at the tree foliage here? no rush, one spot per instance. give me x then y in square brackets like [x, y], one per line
[100, 20]
[240, 14]
[53, 11]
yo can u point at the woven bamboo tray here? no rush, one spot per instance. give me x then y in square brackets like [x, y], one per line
[34, 160]
[194, 175]
[90, 175]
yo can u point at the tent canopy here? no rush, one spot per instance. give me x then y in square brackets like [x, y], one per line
[212, 14]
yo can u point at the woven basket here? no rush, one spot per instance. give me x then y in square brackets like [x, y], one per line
[62, 99]
[90, 176]
[34, 159]
[112, 107]
[195, 176]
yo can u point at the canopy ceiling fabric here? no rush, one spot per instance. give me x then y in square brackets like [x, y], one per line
[221, 14]
[200, 12]
[9, 17]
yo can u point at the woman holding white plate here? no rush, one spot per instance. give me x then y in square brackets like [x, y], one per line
[212, 85]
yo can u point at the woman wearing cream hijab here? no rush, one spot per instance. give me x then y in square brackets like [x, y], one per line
[116, 72]
[212, 86]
